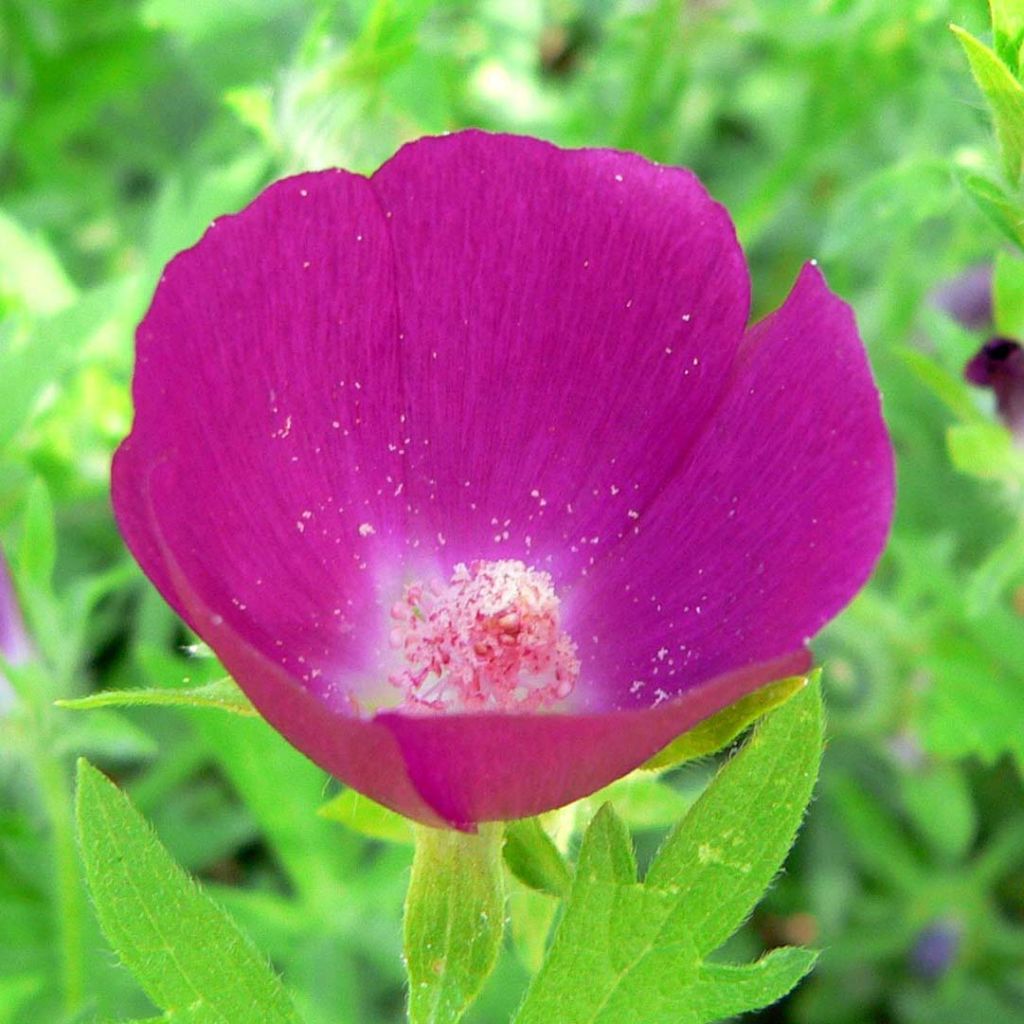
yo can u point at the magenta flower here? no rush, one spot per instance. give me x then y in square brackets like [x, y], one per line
[475, 479]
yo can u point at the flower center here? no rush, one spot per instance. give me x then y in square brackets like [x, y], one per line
[489, 639]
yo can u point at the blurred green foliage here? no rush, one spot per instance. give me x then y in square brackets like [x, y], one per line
[847, 130]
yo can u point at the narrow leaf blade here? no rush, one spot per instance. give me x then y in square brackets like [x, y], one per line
[183, 949]
[221, 693]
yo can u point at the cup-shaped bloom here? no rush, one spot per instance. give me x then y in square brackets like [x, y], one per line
[475, 479]
[14, 644]
[999, 366]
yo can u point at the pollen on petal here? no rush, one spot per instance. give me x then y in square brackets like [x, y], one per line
[489, 639]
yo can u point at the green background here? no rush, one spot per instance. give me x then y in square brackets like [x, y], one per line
[838, 130]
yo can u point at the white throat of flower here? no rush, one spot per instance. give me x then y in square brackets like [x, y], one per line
[488, 640]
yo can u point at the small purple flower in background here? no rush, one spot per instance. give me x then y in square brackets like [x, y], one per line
[967, 298]
[474, 477]
[935, 949]
[999, 365]
[14, 645]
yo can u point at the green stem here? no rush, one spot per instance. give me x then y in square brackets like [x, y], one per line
[57, 801]
[454, 920]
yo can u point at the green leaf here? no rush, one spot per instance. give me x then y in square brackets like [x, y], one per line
[221, 693]
[629, 953]
[454, 920]
[725, 852]
[185, 952]
[1008, 295]
[1005, 97]
[1008, 30]
[973, 705]
[1002, 210]
[985, 450]
[724, 990]
[367, 817]
[534, 859]
[718, 731]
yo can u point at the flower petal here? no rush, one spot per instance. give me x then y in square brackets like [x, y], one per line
[463, 769]
[770, 528]
[493, 767]
[569, 319]
[265, 404]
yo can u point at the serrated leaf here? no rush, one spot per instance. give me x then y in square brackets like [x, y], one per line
[534, 859]
[1005, 97]
[718, 731]
[182, 948]
[627, 953]
[367, 817]
[454, 920]
[221, 693]
[725, 852]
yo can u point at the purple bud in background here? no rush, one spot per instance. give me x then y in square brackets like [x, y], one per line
[999, 365]
[935, 949]
[967, 298]
[14, 645]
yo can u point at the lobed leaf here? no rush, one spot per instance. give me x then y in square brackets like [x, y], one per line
[631, 953]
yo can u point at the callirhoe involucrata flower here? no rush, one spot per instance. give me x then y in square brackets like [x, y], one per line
[474, 477]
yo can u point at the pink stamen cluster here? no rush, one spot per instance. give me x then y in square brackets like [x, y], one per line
[489, 639]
